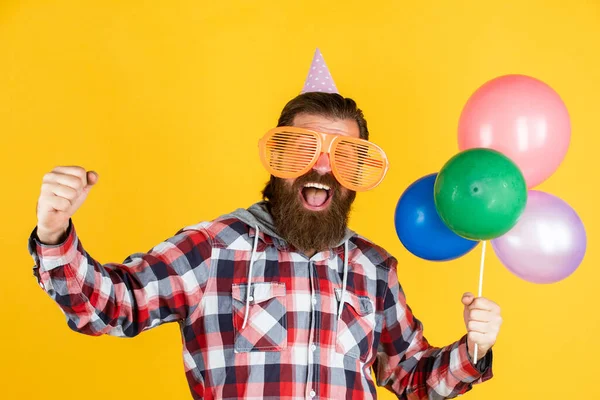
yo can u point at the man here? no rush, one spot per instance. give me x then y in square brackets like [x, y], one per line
[280, 300]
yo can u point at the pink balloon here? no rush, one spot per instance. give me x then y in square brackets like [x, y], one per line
[521, 117]
[547, 244]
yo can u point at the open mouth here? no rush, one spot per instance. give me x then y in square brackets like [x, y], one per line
[316, 196]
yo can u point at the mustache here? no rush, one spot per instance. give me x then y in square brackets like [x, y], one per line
[313, 176]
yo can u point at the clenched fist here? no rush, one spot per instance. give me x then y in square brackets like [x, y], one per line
[64, 189]
[483, 321]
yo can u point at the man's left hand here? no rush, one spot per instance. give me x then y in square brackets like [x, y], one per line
[483, 320]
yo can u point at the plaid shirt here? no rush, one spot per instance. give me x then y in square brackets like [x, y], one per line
[293, 345]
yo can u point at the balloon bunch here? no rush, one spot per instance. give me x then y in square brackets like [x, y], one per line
[513, 133]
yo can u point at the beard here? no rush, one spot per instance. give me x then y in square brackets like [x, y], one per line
[305, 229]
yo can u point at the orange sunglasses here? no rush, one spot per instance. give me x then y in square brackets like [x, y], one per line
[290, 152]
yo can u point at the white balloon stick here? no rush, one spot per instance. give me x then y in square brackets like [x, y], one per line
[481, 266]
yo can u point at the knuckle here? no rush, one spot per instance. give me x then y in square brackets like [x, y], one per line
[79, 171]
[42, 201]
[69, 192]
[76, 182]
[65, 203]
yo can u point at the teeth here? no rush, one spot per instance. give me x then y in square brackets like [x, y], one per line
[317, 185]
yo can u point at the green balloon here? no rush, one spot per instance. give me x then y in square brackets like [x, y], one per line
[480, 194]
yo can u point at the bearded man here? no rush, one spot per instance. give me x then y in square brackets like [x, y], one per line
[278, 301]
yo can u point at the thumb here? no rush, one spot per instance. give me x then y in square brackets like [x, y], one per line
[468, 298]
[92, 178]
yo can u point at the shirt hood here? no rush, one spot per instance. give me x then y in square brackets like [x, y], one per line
[258, 215]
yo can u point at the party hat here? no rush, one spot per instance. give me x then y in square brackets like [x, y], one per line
[319, 79]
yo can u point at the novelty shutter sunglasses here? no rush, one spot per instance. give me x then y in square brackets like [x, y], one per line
[290, 152]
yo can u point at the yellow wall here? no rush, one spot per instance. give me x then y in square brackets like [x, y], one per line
[167, 99]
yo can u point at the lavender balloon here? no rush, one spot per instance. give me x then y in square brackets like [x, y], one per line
[547, 244]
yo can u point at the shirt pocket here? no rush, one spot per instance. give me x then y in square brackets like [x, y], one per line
[266, 328]
[355, 328]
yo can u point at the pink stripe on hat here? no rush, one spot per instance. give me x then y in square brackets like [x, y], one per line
[319, 79]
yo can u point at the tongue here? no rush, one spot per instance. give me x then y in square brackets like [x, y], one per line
[315, 197]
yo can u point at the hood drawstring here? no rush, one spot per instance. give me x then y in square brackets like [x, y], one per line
[248, 297]
[344, 280]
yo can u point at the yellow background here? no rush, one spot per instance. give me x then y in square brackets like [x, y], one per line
[167, 99]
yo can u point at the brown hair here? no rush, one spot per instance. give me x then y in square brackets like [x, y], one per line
[330, 105]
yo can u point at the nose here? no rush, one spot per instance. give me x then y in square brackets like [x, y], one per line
[323, 166]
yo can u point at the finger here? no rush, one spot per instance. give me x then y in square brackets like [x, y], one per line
[59, 190]
[467, 298]
[477, 337]
[71, 181]
[72, 170]
[481, 303]
[476, 326]
[92, 178]
[480, 315]
[56, 203]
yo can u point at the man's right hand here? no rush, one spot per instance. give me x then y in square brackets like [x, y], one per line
[63, 191]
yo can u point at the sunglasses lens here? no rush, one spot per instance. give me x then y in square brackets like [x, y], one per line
[289, 154]
[360, 165]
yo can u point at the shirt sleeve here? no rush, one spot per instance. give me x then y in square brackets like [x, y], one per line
[410, 367]
[146, 290]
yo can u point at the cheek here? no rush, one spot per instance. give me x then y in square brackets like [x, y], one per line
[346, 194]
[289, 183]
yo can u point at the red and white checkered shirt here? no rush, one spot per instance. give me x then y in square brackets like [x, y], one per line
[293, 345]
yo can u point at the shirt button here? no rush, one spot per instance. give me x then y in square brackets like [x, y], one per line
[250, 298]
[312, 393]
[313, 347]
[314, 301]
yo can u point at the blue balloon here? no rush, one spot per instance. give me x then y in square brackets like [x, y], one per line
[421, 230]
